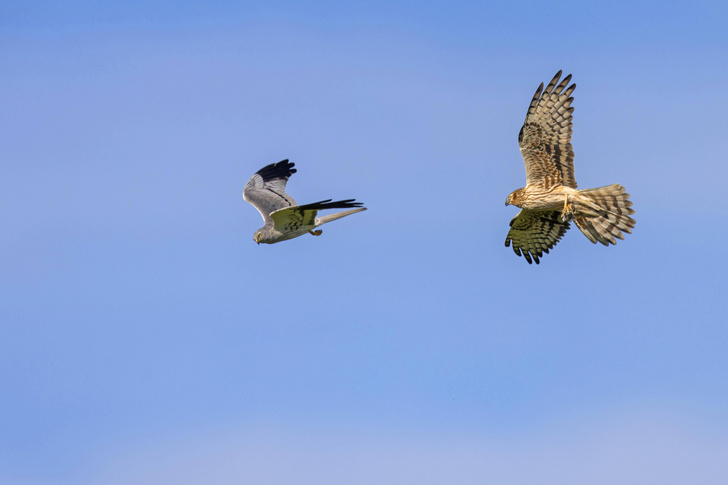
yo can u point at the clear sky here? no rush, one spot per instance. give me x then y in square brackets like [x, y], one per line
[147, 339]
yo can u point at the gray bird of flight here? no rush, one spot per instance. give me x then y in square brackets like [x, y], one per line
[284, 218]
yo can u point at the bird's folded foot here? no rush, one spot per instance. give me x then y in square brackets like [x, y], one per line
[317, 232]
[568, 211]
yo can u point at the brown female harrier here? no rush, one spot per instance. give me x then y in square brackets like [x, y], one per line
[550, 198]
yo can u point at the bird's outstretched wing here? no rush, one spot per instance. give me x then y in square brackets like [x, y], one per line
[545, 138]
[534, 232]
[266, 190]
[291, 219]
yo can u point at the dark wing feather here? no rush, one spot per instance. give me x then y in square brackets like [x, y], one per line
[266, 190]
[545, 138]
[327, 204]
[534, 232]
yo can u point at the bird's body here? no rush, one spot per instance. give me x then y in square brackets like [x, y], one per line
[550, 199]
[284, 219]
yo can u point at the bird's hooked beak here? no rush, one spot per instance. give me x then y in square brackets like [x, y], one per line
[508, 199]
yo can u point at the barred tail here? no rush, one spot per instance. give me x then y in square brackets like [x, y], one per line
[604, 216]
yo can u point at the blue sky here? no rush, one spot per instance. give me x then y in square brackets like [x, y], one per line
[148, 339]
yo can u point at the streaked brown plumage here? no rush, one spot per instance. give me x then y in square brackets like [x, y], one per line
[550, 199]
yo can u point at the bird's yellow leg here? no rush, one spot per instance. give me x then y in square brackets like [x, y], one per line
[568, 209]
[317, 232]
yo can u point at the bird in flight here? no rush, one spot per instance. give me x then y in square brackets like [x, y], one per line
[284, 218]
[550, 199]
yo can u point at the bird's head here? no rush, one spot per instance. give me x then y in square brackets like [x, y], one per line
[258, 237]
[514, 198]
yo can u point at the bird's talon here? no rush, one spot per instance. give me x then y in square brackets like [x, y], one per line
[567, 213]
[317, 232]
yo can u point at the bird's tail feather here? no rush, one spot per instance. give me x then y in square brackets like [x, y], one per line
[338, 215]
[606, 214]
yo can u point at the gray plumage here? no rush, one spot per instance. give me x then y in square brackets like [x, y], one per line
[283, 217]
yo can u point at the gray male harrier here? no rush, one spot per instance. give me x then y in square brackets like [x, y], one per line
[283, 217]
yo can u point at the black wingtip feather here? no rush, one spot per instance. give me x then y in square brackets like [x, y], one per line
[282, 169]
[327, 204]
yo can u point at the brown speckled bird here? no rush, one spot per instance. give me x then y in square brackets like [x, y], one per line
[550, 199]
